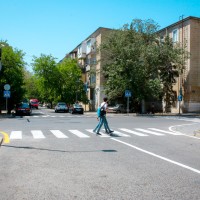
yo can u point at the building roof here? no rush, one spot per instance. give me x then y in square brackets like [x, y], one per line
[94, 34]
[180, 21]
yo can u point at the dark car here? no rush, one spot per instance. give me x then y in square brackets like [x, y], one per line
[23, 109]
[76, 108]
[61, 107]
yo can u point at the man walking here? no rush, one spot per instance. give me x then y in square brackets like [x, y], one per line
[102, 117]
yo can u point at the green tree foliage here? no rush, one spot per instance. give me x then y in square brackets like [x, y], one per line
[127, 56]
[70, 84]
[134, 59]
[46, 77]
[12, 73]
[31, 86]
[170, 66]
[58, 82]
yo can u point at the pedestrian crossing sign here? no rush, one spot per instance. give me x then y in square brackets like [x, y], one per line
[6, 93]
[127, 93]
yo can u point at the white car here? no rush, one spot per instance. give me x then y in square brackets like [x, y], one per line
[61, 107]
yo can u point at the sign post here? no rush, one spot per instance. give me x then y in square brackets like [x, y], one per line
[127, 95]
[179, 102]
[6, 94]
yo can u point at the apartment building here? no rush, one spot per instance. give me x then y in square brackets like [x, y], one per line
[187, 32]
[89, 59]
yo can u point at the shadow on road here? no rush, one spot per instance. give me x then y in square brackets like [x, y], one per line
[57, 150]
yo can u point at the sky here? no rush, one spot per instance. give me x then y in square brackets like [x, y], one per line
[55, 27]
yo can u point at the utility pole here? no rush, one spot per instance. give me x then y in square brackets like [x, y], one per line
[180, 98]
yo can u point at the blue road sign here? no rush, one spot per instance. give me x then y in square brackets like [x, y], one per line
[6, 93]
[127, 93]
[180, 97]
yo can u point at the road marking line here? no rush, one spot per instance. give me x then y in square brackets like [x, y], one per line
[5, 137]
[58, 134]
[37, 134]
[79, 134]
[133, 132]
[169, 132]
[160, 157]
[150, 132]
[16, 135]
[171, 129]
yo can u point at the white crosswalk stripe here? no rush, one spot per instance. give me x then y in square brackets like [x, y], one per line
[37, 134]
[133, 132]
[59, 134]
[79, 134]
[16, 135]
[150, 132]
[162, 131]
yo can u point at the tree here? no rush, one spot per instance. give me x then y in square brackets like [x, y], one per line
[46, 76]
[170, 66]
[58, 82]
[128, 61]
[30, 85]
[12, 73]
[134, 59]
[71, 87]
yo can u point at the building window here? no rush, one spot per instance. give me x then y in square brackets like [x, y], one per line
[175, 35]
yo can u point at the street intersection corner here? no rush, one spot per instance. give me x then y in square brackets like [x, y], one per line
[5, 138]
[1, 140]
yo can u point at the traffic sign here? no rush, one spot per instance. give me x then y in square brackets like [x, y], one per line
[6, 94]
[127, 93]
[180, 97]
[6, 87]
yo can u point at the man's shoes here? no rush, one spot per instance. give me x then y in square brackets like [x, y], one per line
[111, 131]
[98, 133]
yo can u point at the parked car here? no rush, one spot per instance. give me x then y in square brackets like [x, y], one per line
[23, 109]
[34, 103]
[76, 108]
[61, 107]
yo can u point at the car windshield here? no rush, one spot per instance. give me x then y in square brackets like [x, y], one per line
[23, 105]
[77, 105]
[62, 104]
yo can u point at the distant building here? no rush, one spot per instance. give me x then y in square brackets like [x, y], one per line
[90, 62]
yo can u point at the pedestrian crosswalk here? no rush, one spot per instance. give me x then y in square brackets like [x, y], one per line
[88, 133]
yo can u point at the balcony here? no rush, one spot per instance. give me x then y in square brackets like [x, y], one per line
[90, 47]
[82, 50]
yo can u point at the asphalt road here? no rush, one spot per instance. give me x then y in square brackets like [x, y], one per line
[55, 156]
